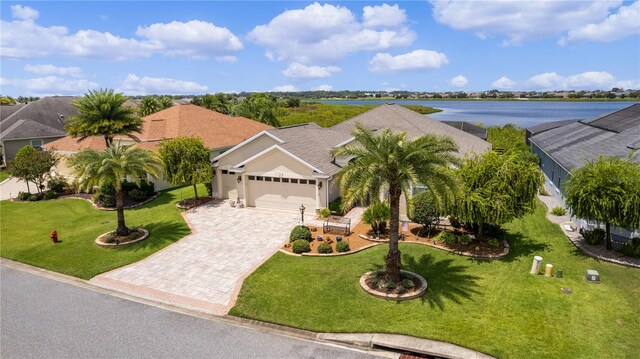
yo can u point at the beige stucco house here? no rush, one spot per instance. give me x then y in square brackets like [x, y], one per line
[218, 132]
[285, 167]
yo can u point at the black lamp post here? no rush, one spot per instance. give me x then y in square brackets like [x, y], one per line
[302, 208]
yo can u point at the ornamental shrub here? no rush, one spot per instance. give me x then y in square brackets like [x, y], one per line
[300, 232]
[408, 283]
[34, 197]
[57, 184]
[300, 246]
[23, 196]
[426, 211]
[632, 248]
[137, 195]
[377, 215]
[50, 195]
[324, 248]
[493, 243]
[594, 237]
[558, 211]
[324, 212]
[104, 200]
[342, 247]
[447, 237]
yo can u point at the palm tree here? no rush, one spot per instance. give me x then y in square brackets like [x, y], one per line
[113, 165]
[389, 161]
[149, 105]
[101, 113]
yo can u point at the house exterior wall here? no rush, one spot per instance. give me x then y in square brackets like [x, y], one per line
[556, 174]
[246, 151]
[278, 164]
[11, 147]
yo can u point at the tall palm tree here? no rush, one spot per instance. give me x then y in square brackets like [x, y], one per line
[113, 165]
[149, 105]
[389, 161]
[101, 113]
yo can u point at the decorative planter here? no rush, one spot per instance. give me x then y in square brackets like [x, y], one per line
[418, 292]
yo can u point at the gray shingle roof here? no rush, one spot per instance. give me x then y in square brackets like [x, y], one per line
[468, 128]
[6, 111]
[534, 130]
[571, 145]
[313, 144]
[38, 119]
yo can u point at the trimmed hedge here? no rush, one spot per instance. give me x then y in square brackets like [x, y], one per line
[300, 246]
[300, 232]
[325, 248]
[595, 236]
[342, 247]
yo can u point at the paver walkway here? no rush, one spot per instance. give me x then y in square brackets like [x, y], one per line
[205, 270]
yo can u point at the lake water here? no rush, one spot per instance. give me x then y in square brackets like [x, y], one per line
[521, 113]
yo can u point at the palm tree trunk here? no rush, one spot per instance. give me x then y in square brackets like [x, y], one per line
[195, 190]
[608, 229]
[480, 231]
[393, 257]
[108, 141]
[122, 229]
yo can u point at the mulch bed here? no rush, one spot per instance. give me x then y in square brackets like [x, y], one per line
[376, 282]
[111, 238]
[476, 248]
[192, 202]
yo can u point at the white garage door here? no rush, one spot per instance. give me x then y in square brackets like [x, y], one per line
[281, 193]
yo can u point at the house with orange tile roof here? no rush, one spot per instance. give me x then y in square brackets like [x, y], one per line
[219, 133]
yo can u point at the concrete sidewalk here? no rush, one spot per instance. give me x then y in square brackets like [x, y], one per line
[405, 343]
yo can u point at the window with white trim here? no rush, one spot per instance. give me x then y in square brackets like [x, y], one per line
[36, 143]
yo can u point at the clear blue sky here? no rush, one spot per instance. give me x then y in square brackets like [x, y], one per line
[199, 47]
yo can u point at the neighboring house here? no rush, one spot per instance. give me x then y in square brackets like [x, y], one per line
[33, 124]
[285, 167]
[546, 126]
[218, 132]
[468, 128]
[565, 148]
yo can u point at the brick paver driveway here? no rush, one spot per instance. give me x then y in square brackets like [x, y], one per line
[204, 270]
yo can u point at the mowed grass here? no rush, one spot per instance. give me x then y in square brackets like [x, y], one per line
[25, 230]
[327, 115]
[496, 307]
[3, 175]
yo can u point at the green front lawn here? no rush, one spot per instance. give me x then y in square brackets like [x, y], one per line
[25, 230]
[3, 175]
[496, 307]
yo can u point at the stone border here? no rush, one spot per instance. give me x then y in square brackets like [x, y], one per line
[504, 253]
[188, 208]
[100, 208]
[113, 245]
[397, 297]
[334, 254]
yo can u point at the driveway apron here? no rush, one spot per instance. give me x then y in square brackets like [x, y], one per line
[205, 270]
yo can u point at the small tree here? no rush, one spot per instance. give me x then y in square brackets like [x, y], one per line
[114, 165]
[496, 189]
[260, 107]
[425, 210]
[186, 161]
[32, 165]
[606, 190]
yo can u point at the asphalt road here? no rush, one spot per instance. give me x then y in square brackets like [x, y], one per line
[44, 318]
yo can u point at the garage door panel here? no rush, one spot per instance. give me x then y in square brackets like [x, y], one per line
[280, 195]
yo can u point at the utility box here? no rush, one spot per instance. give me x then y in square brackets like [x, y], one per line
[592, 276]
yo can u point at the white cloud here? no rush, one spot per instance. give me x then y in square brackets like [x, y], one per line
[301, 72]
[24, 38]
[230, 59]
[194, 38]
[320, 34]
[135, 85]
[625, 22]
[459, 81]
[323, 88]
[54, 70]
[50, 85]
[383, 15]
[503, 83]
[521, 20]
[585, 80]
[23, 12]
[414, 60]
[284, 88]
